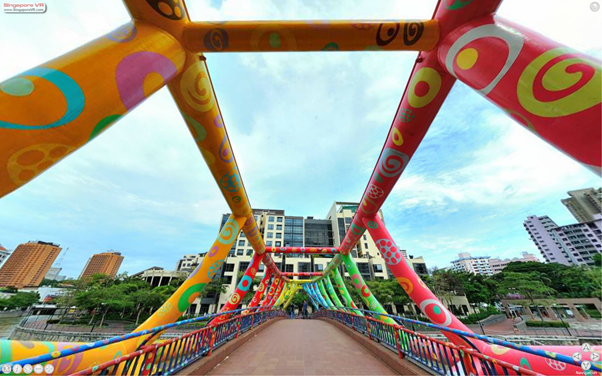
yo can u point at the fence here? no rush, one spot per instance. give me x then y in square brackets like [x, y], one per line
[441, 357]
[172, 355]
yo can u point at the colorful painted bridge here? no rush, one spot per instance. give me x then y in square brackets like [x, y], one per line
[53, 109]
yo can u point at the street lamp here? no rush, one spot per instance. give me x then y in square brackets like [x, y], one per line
[561, 320]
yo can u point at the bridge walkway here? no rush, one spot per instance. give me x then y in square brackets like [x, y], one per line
[301, 347]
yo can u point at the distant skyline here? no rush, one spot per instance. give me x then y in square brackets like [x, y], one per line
[296, 121]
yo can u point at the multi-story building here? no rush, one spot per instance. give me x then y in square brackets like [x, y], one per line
[28, 264]
[107, 263]
[281, 230]
[497, 264]
[574, 244]
[584, 204]
[157, 276]
[53, 274]
[4, 253]
[470, 264]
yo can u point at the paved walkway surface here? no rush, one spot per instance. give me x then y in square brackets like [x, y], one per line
[301, 347]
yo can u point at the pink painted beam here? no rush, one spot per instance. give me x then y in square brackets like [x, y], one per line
[309, 250]
[303, 274]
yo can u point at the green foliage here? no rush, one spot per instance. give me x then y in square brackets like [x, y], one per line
[299, 298]
[476, 317]
[549, 324]
[20, 300]
[530, 285]
[9, 289]
[50, 282]
[598, 260]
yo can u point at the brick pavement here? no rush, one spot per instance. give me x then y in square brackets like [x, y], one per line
[301, 347]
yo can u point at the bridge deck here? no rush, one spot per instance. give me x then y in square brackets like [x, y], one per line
[301, 347]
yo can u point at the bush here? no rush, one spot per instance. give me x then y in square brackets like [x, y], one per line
[548, 324]
[593, 313]
[476, 317]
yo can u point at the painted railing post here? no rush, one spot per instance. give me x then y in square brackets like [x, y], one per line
[212, 340]
[238, 329]
[398, 342]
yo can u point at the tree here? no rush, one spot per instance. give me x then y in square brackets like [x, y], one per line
[447, 284]
[529, 285]
[597, 260]
[478, 288]
[20, 300]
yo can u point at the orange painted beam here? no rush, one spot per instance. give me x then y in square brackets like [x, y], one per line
[275, 36]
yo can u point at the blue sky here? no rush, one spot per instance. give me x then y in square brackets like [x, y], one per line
[306, 130]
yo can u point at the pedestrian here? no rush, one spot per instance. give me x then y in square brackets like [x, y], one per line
[305, 315]
[292, 311]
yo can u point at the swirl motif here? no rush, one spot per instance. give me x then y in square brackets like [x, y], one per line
[236, 199]
[457, 4]
[235, 299]
[514, 41]
[189, 295]
[406, 284]
[391, 34]
[225, 153]
[356, 230]
[389, 251]
[213, 251]
[231, 181]
[372, 224]
[245, 283]
[196, 89]
[425, 78]
[434, 314]
[171, 9]
[123, 34]
[261, 287]
[332, 46]
[229, 232]
[214, 268]
[23, 86]
[559, 83]
[199, 131]
[216, 40]
[412, 32]
[132, 71]
[392, 162]
[366, 208]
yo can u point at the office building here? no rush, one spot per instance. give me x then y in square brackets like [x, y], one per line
[157, 276]
[497, 264]
[471, 264]
[584, 204]
[4, 253]
[281, 230]
[107, 263]
[28, 264]
[574, 244]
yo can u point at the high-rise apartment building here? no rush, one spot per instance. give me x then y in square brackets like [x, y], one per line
[497, 264]
[28, 264]
[4, 253]
[471, 264]
[574, 244]
[53, 274]
[281, 230]
[107, 263]
[584, 204]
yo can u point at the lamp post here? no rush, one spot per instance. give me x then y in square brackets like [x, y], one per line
[562, 321]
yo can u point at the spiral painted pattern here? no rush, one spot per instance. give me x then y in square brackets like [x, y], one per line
[406, 284]
[123, 34]
[196, 88]
[412, 32]
[559, 83]
[392, 162]
[216, 40]
[225, 152]
[229, 232]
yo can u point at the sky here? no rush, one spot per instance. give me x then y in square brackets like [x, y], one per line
[306, 129]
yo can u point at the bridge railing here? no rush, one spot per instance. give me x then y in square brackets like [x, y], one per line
[167, 357]
[443, 358]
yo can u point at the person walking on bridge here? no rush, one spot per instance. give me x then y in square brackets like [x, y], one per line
[305, 314]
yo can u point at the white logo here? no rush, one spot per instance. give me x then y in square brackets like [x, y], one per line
[17, 368]
[577, 356]
[594, 6]
[595, 356]
[27, 368]
[49, 368]
[586, 347]
[6, 368]
[38, 368]
[586, 365]
[25, 8]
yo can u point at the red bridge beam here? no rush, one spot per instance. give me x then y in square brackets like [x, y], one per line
[303, 274]
[310, 250]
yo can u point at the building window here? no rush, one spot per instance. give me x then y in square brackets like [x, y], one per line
[279, 219]
[270, 219]
[377, 268]
[347, 220]
[363, 267]
[243, 266]
[278, 227]
[228, 279]
[261, 268]
[278, 235]
[318, 267]
[289, 268]
[268, 243]
[365, 245]
[249, 252]
[240, 252]
[270, 234]
[278, 244]
[229, 267]
[365, 237]
[270, 227]
[303, 267]
[241, 243]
